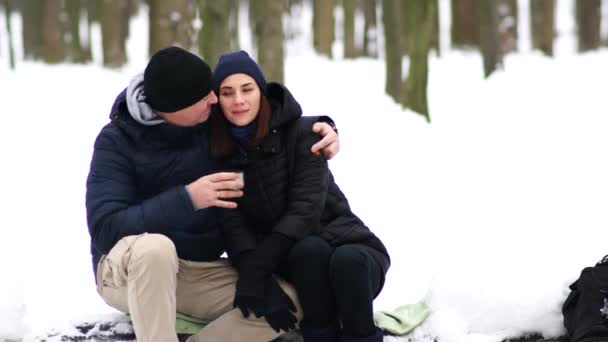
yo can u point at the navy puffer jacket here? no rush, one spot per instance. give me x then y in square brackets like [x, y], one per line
[136, 184]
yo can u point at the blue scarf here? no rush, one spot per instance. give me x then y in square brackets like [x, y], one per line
[243, 134]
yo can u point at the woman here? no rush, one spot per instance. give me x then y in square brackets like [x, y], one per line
[293, 220]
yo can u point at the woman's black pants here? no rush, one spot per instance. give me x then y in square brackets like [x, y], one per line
[335, 284]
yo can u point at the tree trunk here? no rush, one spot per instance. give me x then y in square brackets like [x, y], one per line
[465, 29]
[350, 51]
[370, 30]
[435, 32]
[391, 21]
[421, 20]
[234, 25]
[405, 7]
[542, 23]
[323, 26]
[507, 25]
[214, 37]
[113, 37]
[588, 20]
[488, 36]
[9, 30]
[54, 47]
[171, 24]
[270, 37]
[31, 16]
[76, 52]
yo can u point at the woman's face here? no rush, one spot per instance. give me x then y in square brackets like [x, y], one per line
[240, 99]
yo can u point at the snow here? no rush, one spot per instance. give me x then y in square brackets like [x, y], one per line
[489, 212]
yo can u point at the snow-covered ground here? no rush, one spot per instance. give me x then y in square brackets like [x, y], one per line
[489, 212]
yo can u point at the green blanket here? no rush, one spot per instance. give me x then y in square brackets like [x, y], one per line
[403, 319]
[399, 321]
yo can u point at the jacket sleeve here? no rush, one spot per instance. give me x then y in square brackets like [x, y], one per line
[238, 236]
[113, 207]
[308, 186]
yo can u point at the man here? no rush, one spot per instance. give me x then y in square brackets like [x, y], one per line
[153, 196]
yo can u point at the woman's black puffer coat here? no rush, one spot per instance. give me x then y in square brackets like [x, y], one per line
[302, 203]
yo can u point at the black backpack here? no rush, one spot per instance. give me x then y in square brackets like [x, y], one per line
[586, 308]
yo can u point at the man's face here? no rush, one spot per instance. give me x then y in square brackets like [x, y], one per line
[193, 115]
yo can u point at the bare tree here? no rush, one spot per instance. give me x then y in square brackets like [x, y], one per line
[488, 33]
[53, 42]
[323, 26]
[8, 9]
[113, 33]
[507, 25]
[171, 24]
[215, 37]
[542, 22]
[588, 20]
[370, 30]
[391, 22]
[435, 32]
[76, 51]
[350, 50]
[270, 37]
[421, 16]
[31, 17]
[465, 25]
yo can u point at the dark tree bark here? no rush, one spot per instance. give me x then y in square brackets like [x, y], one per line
[488, 26]
[270, 37]
[8, 10]
[323, 26]
[542, 23]
[420, 17]
[465, 24]
[31, 17]
[508, 14]
[350, 50]
[113, 33]
[370, 29]
[76, 52]
[435, 32]
[405, 7]
[215, 36]
[54, 47]
[588, 20]
[171, 24]
[391, 22]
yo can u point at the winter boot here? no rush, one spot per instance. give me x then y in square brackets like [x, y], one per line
[183, 337]
[328, 334]
[377, 336]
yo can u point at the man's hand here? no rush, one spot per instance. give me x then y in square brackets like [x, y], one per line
[208, 191]
[329, 145]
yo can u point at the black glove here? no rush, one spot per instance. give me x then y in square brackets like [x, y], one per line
[279, 307]
[249, 294]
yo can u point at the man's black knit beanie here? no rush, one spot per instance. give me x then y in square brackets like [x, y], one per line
[175, 79]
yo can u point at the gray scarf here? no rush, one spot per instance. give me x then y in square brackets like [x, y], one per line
[140, 110]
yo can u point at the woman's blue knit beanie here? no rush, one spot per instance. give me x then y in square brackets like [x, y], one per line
[237, 63]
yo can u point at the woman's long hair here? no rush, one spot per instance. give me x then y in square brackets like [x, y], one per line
[222, 143]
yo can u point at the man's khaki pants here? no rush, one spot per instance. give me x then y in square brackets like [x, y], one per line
[143, 276]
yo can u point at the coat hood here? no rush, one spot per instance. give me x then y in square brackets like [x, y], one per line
[285, 108]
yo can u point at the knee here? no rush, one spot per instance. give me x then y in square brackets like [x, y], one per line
[154, 250]
[347, 261]
[312, 249]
